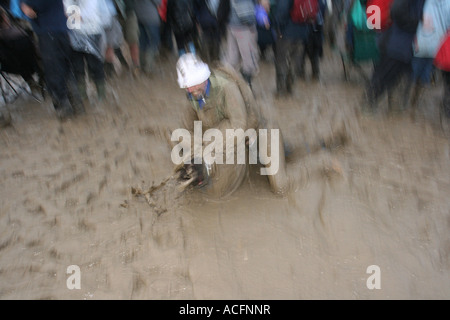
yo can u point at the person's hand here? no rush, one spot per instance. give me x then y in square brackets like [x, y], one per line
[28, 11]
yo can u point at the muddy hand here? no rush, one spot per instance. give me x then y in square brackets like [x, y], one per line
[190, 174]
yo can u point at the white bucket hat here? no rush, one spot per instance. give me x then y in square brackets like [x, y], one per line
[191, 71]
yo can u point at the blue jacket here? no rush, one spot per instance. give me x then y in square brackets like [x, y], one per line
[51, 16]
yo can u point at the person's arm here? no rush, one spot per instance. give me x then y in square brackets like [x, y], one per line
[33, 7]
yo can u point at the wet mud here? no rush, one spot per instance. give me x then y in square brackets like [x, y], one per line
[98, 192]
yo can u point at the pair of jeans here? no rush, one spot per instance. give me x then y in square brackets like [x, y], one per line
[149, 37]
[94, 65]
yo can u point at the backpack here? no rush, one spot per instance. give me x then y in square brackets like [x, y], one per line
[245, 10]
[304, 11]
[385, 11]
[442, 59]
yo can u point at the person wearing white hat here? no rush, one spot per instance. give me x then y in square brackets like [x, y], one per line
[221, 99]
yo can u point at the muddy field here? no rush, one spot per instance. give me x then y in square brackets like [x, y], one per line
[368, 190]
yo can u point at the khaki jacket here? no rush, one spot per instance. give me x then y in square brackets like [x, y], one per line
[230, 105]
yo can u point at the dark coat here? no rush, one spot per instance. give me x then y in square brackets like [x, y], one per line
[180, 16]
[284, 25]
[207, 20]
[398, 39]
[51, 16]
[204, 16]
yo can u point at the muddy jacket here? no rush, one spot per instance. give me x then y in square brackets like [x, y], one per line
[230, 104]
[226, 106]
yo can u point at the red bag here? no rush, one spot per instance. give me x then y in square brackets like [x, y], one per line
[304, 11]
[385, 11]
[442, 59]
[162, 10]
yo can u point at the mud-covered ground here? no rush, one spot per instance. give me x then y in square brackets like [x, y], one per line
[369, 190]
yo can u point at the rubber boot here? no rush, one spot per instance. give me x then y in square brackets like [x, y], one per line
[281, 86]
[149, 62]
[77, 95]
[109, 69]
[101, 89]
[5, 118]
[81, 85]
[315, 69]
[417, 93]
[64, 109]
[248, 79]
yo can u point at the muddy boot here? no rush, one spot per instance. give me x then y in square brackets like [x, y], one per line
[101, 89]
[284, 86]
[416, 94]
[149, 63]
[64, 110]
[446, 107]
[81, 86]
[398, 97]
[393, 103]
[5, 118]
[315, 76]
[109, 69]
[281, 86]
[289, 83]
[75, 96]
[315, 69]
[369, 105]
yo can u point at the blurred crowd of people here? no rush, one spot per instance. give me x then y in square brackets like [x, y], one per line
[69, 41]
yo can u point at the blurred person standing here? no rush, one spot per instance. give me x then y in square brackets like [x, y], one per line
[114, 58]
[149, 22]
[396, 52]
[130, 29]
[313, 46]
[291, 37]
[430, 32]
[180, 16]
[88, 41]
[241, 50]
[210, 21]
[265, 27]
[49, 22]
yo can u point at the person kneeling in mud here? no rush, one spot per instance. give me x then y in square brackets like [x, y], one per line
[225, 123]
